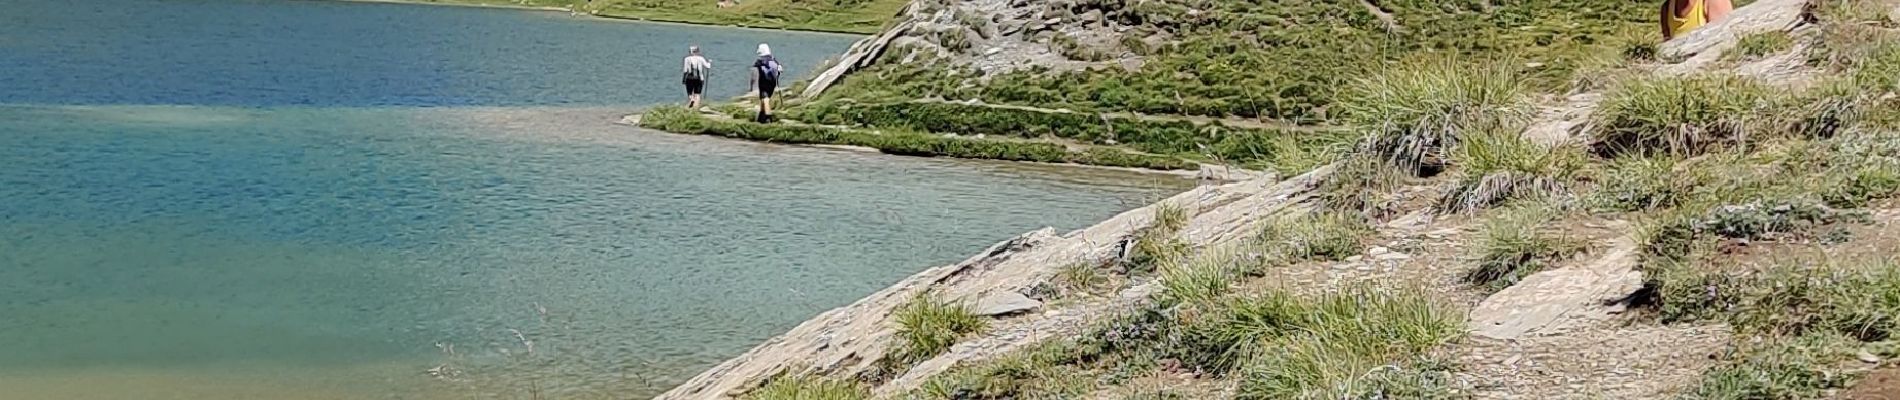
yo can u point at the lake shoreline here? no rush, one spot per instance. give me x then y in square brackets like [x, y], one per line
[1204, 171]
[611, 17]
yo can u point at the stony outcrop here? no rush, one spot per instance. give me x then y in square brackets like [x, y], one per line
[849, 341]
[995, 36]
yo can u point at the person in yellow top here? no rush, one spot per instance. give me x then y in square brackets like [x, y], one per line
[1681, 16]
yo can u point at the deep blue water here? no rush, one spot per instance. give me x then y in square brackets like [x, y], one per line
[232, 199]
[252, 53]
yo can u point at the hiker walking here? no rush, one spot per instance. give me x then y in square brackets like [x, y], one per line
[694, 72]
[765, 73]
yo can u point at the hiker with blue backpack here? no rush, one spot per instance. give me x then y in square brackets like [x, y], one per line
[693, 73]
[765, 73]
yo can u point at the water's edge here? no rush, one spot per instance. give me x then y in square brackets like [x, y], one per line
[607, 17]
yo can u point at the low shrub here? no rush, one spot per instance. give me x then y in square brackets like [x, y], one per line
[1795, 368]
[928, 326]
[1858, 299]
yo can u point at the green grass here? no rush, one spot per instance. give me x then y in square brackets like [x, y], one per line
[1515, 244]
[854, 16]
[928, 326]
[1157, 244]
[1319, 235]
[1636, 183]
[1414, 113]
[1083, 278]
[1796, 368]
[1291, 61]
[1760, 44]
[1286, 151]
[809, 388]
[1197, 281]
[1497, 165]
[1330, 346]
[1358, 342]
[1857, 298]
[1362, 184]
[1052, 370]
[680, 120]
[1680, 116]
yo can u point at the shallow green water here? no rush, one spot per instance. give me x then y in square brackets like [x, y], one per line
[340, 252]
[266, 199]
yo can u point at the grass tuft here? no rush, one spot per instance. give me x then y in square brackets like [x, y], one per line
[1686, 116]
[809, 388]
[928, 326]
[1415, 111]
[1760, 44]
[1515, 245]
[1636, 183]
[1796, 368]
[1156, 244]
[1362, 183]
[1083, 278]
[1500, 165]
[1329, 347]
[1319, 235]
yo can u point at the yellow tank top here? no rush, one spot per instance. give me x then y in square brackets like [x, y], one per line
[1681, 24]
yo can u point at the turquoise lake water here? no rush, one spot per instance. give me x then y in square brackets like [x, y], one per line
[231, 199]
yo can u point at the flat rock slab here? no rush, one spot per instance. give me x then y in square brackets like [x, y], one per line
[1706, 45]
[1546, 297]
[1005, 302]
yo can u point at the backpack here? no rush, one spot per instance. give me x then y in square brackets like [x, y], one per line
[697, 72]
[771, 69]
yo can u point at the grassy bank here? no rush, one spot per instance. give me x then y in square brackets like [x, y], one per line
[1288, 151]
[681, 120]
[844, 16]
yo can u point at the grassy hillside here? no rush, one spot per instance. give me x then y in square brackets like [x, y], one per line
[1285, 60]
[1207, 69]
[854, 16]
[1760, 211]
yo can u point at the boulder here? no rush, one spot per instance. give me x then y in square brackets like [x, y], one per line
[1004, 303]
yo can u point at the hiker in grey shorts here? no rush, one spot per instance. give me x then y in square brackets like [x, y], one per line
[694, 72]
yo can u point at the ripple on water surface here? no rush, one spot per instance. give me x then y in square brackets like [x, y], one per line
[340, 252]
